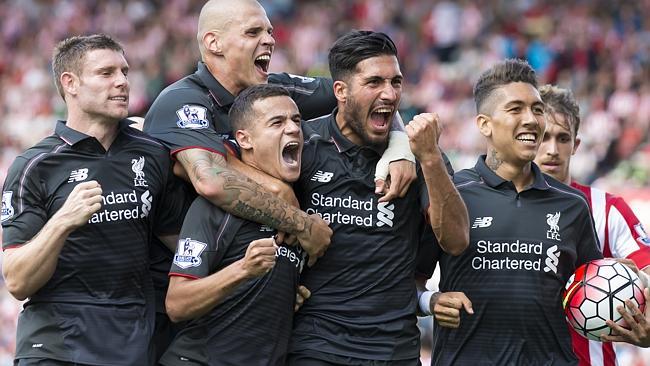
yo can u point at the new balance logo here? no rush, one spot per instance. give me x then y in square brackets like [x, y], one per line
[385, 215]
[322, 176]
[552, 259]
[78, 175]
[482, 222]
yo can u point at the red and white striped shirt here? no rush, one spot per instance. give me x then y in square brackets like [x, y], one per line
[621, 235]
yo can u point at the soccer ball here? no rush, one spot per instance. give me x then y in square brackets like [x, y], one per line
[594, 292]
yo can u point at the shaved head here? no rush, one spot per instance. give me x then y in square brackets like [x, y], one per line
[218, 15]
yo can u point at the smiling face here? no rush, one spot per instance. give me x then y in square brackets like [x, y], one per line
[516, 123]
[101, 90]
[558, 145]
[246, 45]
[368, 100]
[273, 141]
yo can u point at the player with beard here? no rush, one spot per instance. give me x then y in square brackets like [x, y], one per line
[529, 233]
[363, 303]
[190, 117]
[620, 233]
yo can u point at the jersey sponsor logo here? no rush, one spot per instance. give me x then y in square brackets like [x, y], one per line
[188, 253]
[323, 177]
[293, 254]
[78, 175]
[303, 79]
[482, 222]
[552, 259]
[640, 231]
[7, 208]
[385, 215]
[265, 228]
[515, 255]
[137, 166]
[192, 116]
[131, 207]
[552, 221]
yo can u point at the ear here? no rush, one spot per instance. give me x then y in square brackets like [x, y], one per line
[213, 43]
[576, 143]
[340, 91]
[69, 82]
[484, 125]
[243, 138]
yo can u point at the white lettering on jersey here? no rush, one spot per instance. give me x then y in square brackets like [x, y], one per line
[552, 259]
[482, 222]
[554, 231]
[323, 177]
[385, 215]
[78, 175]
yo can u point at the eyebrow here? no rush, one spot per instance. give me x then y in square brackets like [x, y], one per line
[516, 103]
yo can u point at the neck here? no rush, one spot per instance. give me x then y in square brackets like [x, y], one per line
[223, 76]
[521, 175]
[103, 129]
[346, 129]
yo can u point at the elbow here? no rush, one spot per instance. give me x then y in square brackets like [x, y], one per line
[175, 309]
[210, 191]
[457, 245]
[16, 289]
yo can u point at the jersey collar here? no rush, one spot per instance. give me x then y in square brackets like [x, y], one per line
[342, 143]
[72, 136]
[493, 180]
[217, 91]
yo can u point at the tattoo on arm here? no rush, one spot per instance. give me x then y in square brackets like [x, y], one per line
[240, 195]
[493, 161]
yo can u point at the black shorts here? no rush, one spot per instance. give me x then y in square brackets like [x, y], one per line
[326, 359]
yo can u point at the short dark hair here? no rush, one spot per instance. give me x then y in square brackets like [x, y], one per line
[561, 101]
[240, 112]
[69, 54]
[503, 73]
[356, 46]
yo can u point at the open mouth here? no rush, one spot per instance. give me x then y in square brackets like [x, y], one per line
[262, 63]
[291, 153]
[119, 98]
[527, 138]
[380, 117]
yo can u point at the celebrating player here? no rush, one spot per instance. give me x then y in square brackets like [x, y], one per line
[619, 231]
[229, 277]
[82, 205]
[191, 117]
[362, 309]
[529, 233]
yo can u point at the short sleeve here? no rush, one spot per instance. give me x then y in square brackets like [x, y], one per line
[587, 248]
[174, 203]
[313, 96]
[182, 119]
[428, 253]
[23, 210]
[199, 250]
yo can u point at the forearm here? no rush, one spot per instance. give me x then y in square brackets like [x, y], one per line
[27, 268]
[190, 299]
[239, 195]
[447, 212]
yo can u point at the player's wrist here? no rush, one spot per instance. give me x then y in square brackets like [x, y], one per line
[424, 301]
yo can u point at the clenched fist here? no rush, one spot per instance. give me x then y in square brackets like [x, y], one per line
[260, 257]
[84, 200]
[424, 132]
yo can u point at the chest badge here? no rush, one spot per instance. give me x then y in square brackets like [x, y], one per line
[138, 167]
[554, 230]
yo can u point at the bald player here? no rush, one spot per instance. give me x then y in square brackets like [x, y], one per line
[191, 118]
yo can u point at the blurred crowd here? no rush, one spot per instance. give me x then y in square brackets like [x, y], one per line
[598, 48]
